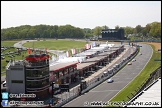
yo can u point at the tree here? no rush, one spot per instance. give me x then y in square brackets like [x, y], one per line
[105, 27]
[138, 29]
[80, 32]
[135, 31]
[69, 31]
[117, 27]
[97, 31]
[155, 30]
[148, 27]
[144, 31]
[55, 28]
[88, 32]
[128, 30]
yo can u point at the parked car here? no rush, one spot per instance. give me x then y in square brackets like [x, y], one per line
[17, 53]
[11, 52]
[130, 63]
[110, 80]
[7, 61]
[2, 57]
[133, 60]
[7, 53]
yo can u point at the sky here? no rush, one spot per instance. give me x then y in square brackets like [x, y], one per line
[82, 14]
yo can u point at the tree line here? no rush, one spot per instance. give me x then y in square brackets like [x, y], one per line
[68, 31]
[150, 30]
[41, 31]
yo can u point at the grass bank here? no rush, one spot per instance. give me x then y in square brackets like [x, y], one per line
[56, 44]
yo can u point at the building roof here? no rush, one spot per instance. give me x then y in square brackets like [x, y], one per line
[85, 64]
[71, 59]
[94, 50]
[59, 66]
[67, 61]
[93, 60]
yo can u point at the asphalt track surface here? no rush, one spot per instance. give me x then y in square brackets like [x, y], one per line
[105, 91]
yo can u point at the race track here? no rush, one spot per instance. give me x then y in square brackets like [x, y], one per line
[105, 91]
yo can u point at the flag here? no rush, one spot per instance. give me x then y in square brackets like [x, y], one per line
[29, 51]
[87, 46]
[67, 54]
[92, 44]
[73, 51]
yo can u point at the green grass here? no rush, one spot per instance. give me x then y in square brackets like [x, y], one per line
[17, 57]
[140, 79]
[9, 49]
[56, 44]
[4, 74]
[8, 43]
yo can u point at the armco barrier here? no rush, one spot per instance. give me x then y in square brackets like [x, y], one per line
[98, 82]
